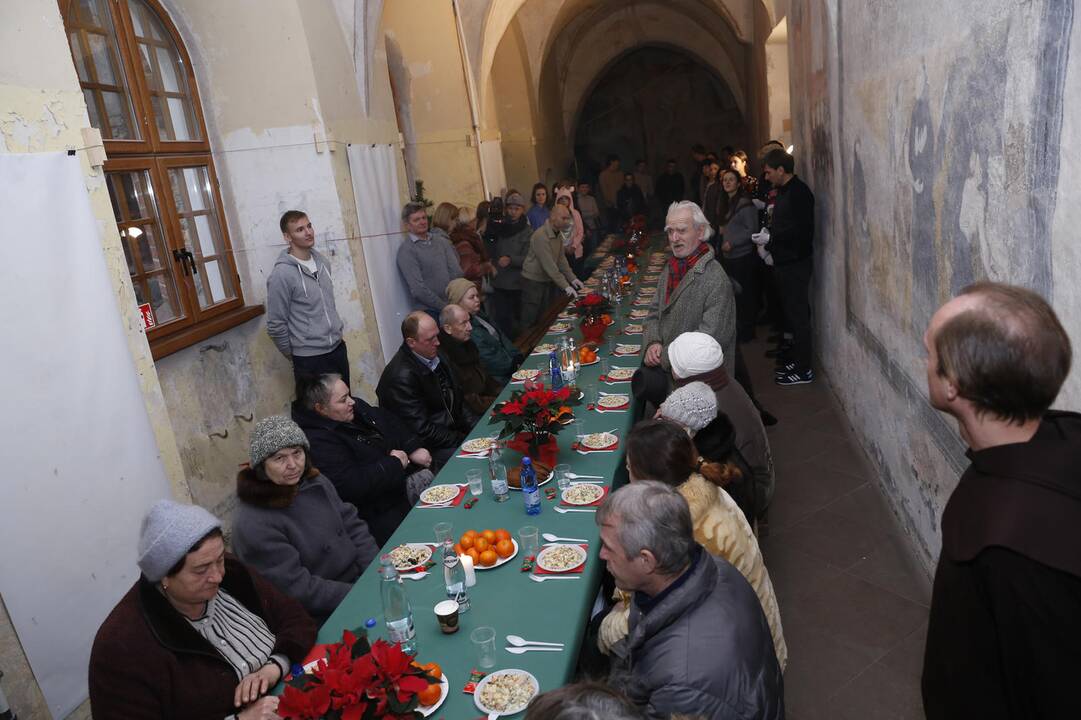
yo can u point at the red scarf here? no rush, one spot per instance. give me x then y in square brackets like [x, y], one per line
[678, 269]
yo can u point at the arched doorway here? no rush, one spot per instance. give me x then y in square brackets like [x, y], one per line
[652, 104]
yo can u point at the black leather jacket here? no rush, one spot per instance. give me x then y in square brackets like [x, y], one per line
[411, 391]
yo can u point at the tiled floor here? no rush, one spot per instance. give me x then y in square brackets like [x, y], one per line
[853, 602]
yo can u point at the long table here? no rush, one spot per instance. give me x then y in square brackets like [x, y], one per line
[504, 597]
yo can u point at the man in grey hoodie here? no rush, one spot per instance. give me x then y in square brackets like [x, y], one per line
[301, 317]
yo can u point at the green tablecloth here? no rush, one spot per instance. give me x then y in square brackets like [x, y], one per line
[504, 597]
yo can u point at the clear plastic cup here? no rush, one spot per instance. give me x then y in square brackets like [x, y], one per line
[483, 639]
[529, 540]
[443, 531]
[476, 482]
[562, 480]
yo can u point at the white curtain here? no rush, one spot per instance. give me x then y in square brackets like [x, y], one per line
[81, 463]
[375, 189]
[491, 154]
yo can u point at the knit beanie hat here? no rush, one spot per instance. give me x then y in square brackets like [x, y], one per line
[457, 289]
[169, 531]
[515, 199]
[272, 434]
[694, 353]
[693, 406]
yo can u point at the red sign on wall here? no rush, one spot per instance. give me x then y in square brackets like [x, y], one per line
[148, 316]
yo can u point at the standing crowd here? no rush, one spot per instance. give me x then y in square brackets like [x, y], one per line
[688, 623]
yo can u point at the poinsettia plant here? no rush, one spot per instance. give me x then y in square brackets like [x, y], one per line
[592, 306]
[539, 411]
[357, 681]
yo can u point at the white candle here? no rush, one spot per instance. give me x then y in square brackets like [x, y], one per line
[470, 573]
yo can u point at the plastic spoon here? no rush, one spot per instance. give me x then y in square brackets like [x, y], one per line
[576, 476]
[554, 538]
[569, 510]
[520, 650]
[518, 641]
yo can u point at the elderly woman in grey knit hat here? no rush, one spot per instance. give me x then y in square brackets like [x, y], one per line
[498, 354]
[292, 526]
[199, 635]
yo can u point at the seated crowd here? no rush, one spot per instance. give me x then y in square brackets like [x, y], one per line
[688, 623]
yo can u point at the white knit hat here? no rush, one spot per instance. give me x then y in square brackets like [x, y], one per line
[694, 353]
[170, 529]
[693, 406]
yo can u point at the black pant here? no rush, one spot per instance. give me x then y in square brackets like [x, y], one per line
[504, 307]
[744, 270]
[536, 299]
[794, 284]
[335, 361]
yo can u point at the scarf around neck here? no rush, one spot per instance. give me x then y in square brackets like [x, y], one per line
[678, 268]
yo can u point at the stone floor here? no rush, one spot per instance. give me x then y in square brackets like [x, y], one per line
[853, 600]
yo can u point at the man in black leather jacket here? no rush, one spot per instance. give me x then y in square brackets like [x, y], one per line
[420, 387]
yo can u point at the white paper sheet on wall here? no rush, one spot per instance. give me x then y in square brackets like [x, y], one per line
[375, 189]
[81, 464]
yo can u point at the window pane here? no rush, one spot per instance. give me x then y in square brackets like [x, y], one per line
[198, 219]
[97, 62]
[160, 298]
[166, 76]
[213, 279]
[128, 256]
[148, 247]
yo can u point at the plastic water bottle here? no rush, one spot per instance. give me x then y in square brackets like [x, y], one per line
[397, 612]
[530, 491]
[497, 473]
[557, 373]
[454, 576]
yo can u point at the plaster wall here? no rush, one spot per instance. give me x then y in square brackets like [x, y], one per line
[777, 81]
[512, 99]
[938, 144]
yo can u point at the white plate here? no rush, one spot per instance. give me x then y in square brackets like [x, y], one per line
[559, 327]
[544, 349]
[444, 690]
[587, 364]
[573, 494]
[609, 402]
[500, 561]
[620, 373]
[513, 710]
[526, 374]
[426, 497]
[598, 441]
[634, 329]
[421, 547]
[476, 445]
[639, 314]
[545, 554]
[622, 349]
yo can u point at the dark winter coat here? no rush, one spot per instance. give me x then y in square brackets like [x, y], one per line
[477, 385]
[793, 226]
[497, 353]
[702, 649]
[356, 458]
[149, 663]
[303, 538]
[1004, 635]
[412, 392]
[511, 241]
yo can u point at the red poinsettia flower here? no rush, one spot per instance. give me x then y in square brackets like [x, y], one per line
[511, 408]
[304, 704]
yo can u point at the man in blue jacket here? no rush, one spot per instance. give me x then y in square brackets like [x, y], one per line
[301, 317]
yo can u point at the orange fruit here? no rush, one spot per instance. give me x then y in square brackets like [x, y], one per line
[489, 535]
[481, 544]
[470, 533]
[433, 669]
[472, 552]
[488, 558]
[458, 550]
[430, 695]
[502, 534]
[504, 548]
[466, 542]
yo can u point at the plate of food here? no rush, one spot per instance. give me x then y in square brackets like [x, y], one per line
[634, 329]
[444, 690]
[501, 558]
[559, 327]
[561, 558]
[583, 494]
[478, 445]
[639, 314]
[526, 374]
[544, 349]
[620, 374]
[408, 556]
[440, 494]
[505, 692]
[599, 441]
[648, 290]
[610, 402]
[625, 349]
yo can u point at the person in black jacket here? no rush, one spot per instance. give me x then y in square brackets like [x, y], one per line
[669, 185]
[791, 245]
[420, 387]
[373, 460]
[1004, 632]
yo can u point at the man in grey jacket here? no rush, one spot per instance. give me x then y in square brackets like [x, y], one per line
[697, 642]
[301, 317]
[427, 261]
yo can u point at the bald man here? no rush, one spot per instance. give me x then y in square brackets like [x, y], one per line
[455, 338]
[421, 388]
[546, 271]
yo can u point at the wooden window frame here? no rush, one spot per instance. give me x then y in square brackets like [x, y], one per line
[156, 156]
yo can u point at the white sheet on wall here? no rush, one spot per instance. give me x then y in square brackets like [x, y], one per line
[375, 189]
[80, 461]
[491, 154]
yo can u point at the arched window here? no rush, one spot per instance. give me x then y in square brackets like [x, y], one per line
[140, 92]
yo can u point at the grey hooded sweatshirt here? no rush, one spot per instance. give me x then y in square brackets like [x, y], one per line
[301, 317]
